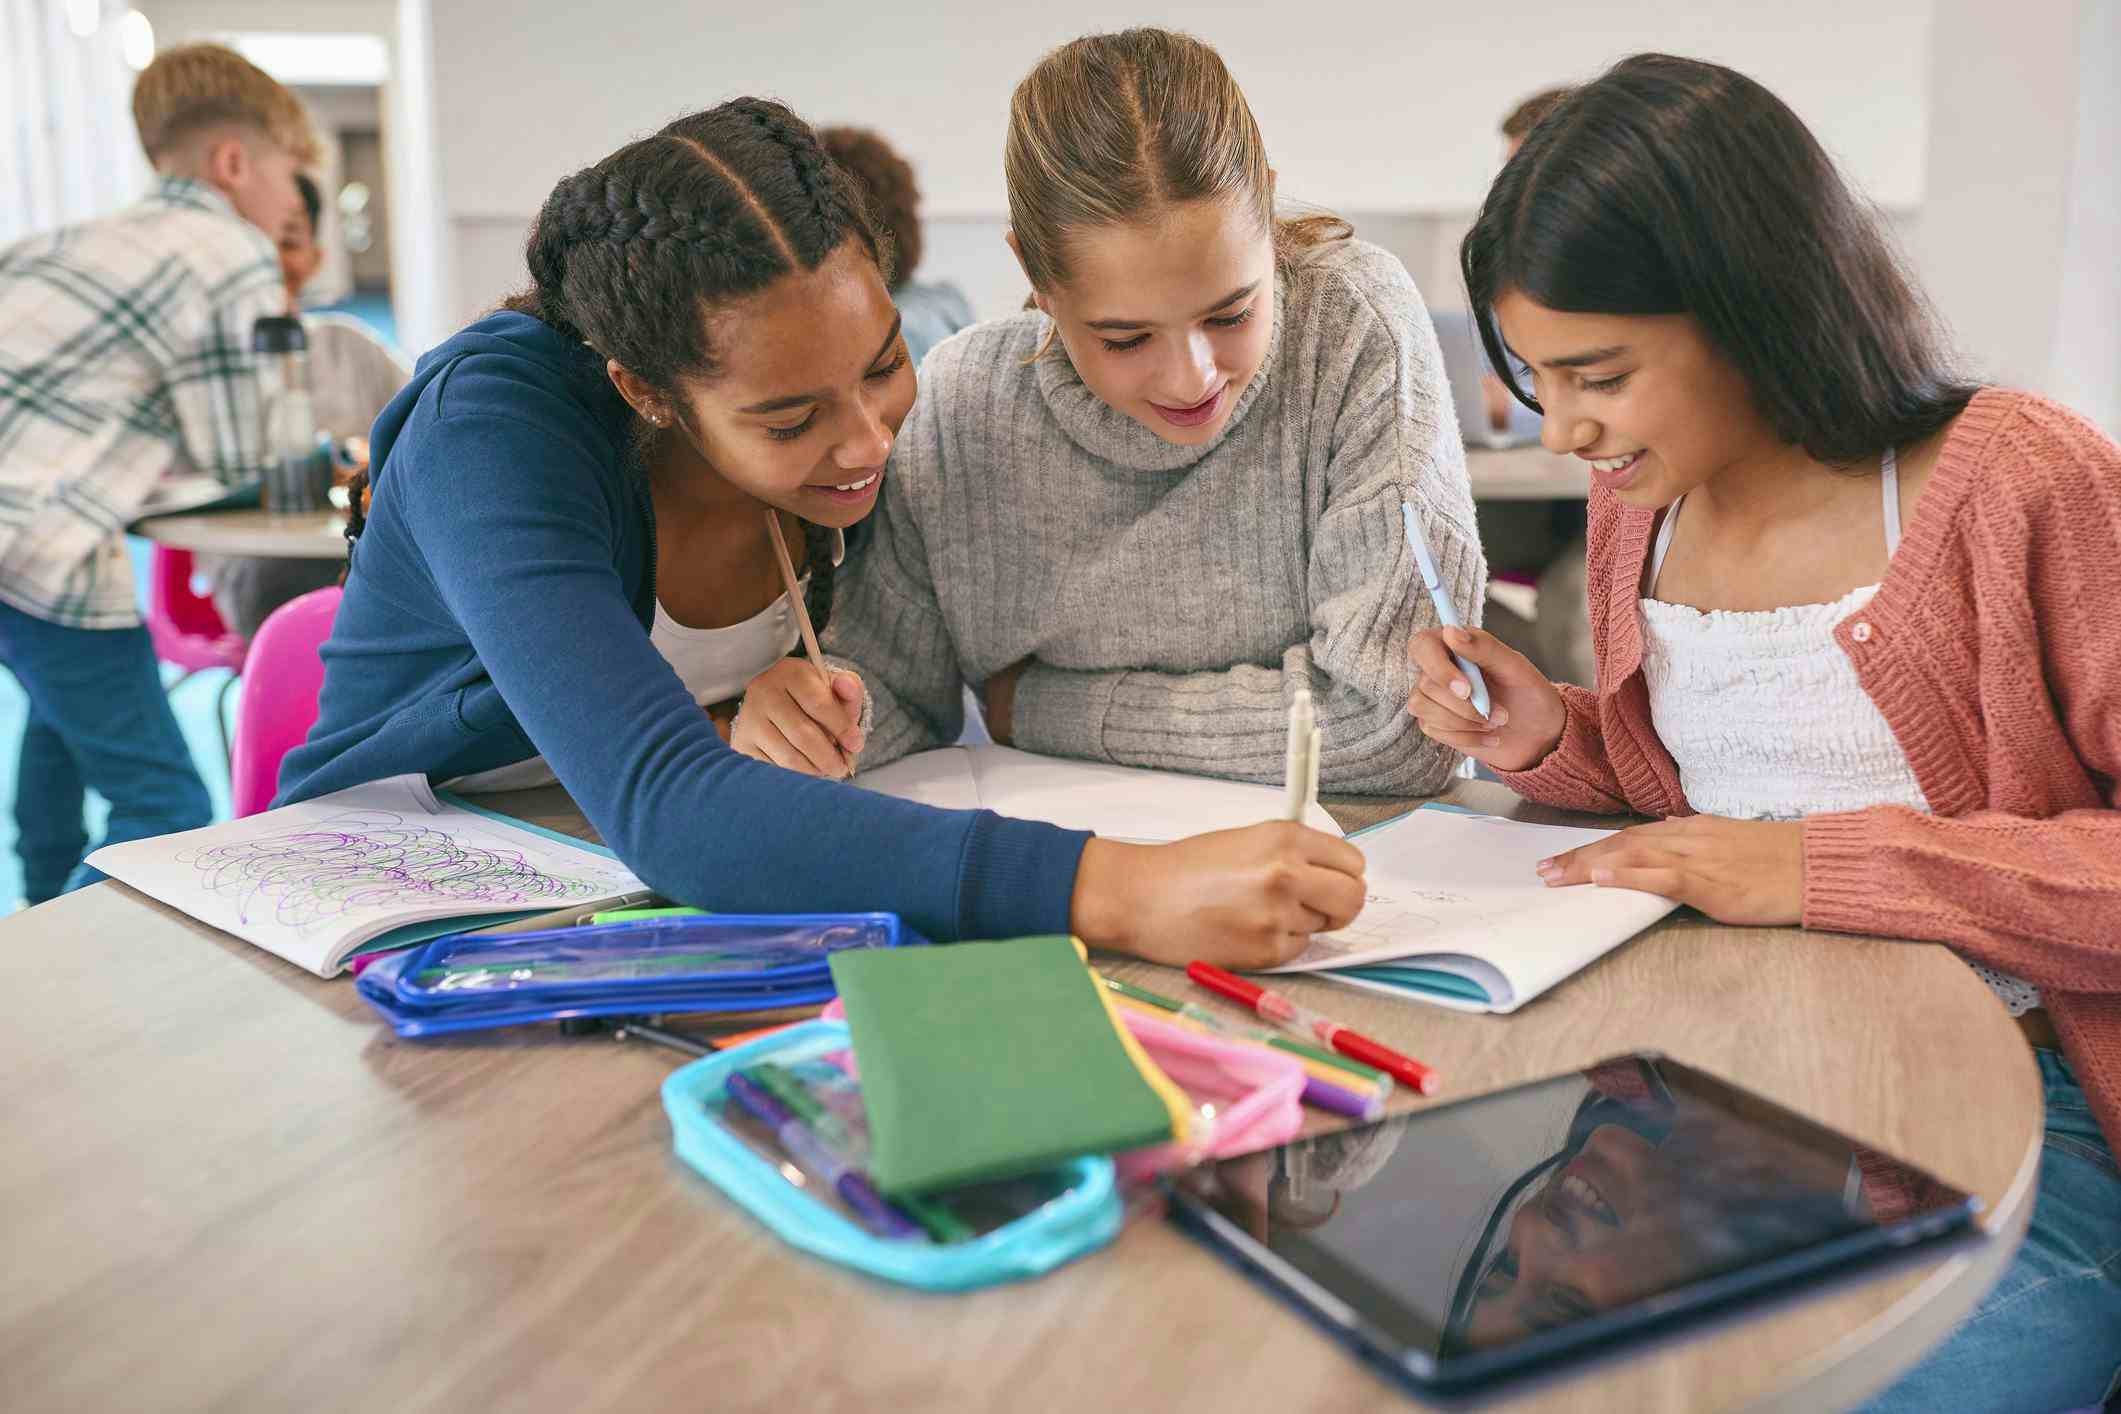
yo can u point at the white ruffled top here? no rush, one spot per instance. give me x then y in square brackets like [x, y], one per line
[1765, 717]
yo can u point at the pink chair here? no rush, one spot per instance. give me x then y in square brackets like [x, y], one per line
[280, 690]
[187, 630]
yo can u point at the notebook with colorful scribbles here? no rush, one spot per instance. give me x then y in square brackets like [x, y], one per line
[984, 1060]
[381, 865]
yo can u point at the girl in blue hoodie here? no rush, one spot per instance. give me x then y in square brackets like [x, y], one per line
[566, 557]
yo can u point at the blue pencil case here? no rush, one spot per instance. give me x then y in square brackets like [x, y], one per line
[713, 963]
[808, 1188]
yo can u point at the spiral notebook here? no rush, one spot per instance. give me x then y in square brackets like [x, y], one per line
[376, 866]
[1458, 918]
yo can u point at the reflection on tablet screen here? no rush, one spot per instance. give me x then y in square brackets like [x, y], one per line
[1478, 1226]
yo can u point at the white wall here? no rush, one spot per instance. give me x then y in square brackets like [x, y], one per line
[1387, 109]
[2021, 237]
[68, 150]
[2085, 367]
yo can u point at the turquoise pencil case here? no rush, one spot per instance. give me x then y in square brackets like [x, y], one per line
[979, 1236]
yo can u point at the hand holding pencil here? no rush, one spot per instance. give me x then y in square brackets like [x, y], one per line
[799, 714]
[1525, 715]
[1475, 693]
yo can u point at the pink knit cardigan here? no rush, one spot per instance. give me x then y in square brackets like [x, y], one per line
[1993, 649]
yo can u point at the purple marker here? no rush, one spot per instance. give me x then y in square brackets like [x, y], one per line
[1325, 1095]
[815, 1159]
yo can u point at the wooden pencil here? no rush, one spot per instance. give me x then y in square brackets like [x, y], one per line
[795, 595]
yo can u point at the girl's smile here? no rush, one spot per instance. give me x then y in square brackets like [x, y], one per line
[1199, 413]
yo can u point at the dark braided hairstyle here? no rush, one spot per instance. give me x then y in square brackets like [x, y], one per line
[716, 206]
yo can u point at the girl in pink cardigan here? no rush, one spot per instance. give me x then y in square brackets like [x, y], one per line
[1858, 623]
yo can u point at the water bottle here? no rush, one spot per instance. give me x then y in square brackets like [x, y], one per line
[297, 459]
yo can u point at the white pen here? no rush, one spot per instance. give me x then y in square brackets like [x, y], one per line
[1445, 613]
[1303, 757]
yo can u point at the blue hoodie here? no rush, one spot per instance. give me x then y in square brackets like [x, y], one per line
[498, 608]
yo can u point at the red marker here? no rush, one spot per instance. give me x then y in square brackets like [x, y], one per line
[1304, 1022]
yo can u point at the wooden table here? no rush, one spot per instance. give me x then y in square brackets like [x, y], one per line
[224, 1184]
[297, 535]
[1526, 474]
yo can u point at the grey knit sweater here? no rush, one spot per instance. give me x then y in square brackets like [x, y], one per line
[1171, 598]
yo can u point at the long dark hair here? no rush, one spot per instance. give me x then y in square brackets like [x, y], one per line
[1674, 186]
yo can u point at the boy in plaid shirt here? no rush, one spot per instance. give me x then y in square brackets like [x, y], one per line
[125, 344]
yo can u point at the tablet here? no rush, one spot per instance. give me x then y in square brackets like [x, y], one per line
[1510, 1233]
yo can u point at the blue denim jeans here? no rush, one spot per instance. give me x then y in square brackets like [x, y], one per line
[50, 799]
[97, 717]
[2048, 1338]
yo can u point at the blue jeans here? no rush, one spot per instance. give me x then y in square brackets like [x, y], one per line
[97, 717]
[2048, 1338]
[50, 798]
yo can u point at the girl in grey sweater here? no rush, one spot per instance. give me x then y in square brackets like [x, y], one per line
[1140, 516]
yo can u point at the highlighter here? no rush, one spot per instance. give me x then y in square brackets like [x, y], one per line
[1445, 613]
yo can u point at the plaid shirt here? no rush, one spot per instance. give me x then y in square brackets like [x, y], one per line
[124, 343]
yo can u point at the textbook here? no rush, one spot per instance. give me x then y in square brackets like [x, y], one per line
[1117, 802]
[1457, 916]
[376, 866]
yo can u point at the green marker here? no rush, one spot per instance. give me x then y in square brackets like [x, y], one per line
[940, 1223]
[805, 1106]
[1216, 1022]
[636, 915]
[783, 1085]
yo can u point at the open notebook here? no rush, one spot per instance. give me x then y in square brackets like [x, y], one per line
[1458, 917]
[1118, 802]
[381, 865]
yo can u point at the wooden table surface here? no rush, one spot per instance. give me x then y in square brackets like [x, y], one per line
[225, 1185]
[297, 535]
[1526, 474]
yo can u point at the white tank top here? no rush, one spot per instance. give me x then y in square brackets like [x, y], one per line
[715, 664]
[1764, 714]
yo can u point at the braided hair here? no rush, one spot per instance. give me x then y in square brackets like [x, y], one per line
[716, 206]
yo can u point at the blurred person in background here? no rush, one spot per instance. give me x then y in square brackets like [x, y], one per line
[353, 375]
[933, 310]
[125, 348]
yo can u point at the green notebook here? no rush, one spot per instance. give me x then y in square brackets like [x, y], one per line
[983, 1060]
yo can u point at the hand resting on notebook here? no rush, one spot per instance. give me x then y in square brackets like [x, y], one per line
[1735, 871]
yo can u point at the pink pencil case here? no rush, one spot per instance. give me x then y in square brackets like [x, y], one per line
[1249, 1097]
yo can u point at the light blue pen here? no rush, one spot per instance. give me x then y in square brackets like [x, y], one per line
[1445, 613]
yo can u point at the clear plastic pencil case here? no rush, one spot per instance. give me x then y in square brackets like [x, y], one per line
[712, 963]
[778, 1125]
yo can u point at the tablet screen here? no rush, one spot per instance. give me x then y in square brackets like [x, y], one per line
[1487, 1224]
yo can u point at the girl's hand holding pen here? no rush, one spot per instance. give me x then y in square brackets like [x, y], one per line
[1525, 714]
